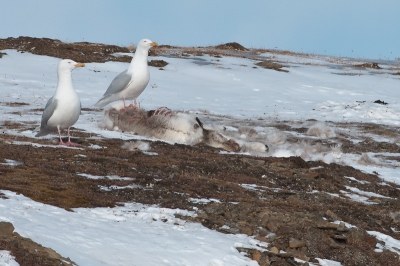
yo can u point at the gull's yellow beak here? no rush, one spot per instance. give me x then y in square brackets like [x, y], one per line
[80, 65]
[154, 44]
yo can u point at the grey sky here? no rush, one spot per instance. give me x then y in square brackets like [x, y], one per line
[356, 28]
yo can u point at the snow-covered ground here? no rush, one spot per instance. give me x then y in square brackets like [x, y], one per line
[315, 88]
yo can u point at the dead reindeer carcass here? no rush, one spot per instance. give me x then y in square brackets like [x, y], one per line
[216, 140]
[161, 124]
[165, 124]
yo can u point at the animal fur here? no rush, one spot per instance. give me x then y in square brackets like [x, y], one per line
[366, 160]
[246, 132]
[136, 145]
[321, 130]
[275, 137]
[216, 140]
[171, 126]
[176, 127]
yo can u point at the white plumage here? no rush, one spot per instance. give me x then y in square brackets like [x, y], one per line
[129, 84]
[63, 109]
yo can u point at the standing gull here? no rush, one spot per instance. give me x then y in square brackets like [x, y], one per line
[63, 109]
[129, 84]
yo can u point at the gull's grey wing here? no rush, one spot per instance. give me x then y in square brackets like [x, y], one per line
[47, 113]
[48, 102]
[119, 83]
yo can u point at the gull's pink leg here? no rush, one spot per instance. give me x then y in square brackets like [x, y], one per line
[129, 106]
[69, 143]
[123, 99]
[59, 133]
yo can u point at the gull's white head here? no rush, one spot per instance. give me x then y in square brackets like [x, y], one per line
[68, 65]
[146, 44]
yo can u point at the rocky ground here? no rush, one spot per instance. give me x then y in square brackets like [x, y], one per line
[288, 203]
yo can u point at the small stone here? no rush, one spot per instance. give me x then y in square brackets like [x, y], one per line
[262, 239]
[262, 232]
[271, 236]
[264, 218]
[274, 250]
[299, 253]
[295, 243]
[332, 215]
[290, 250]
[376, 200]
[291, 262]
[342, 227]
[6, 229]
[333, 244]
[302, 256]
[272, 225]
[256, 255]
[327, 225]
[339, 237]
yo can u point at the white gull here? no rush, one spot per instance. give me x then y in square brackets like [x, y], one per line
[129, 84]
[63, 109]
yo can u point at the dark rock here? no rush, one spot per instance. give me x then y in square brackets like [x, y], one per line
[368, 65]
[158, 63]
[262, 232]
[271, 65]
[6, 229]
[381, 102]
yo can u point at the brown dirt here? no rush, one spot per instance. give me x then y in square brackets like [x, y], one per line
[289, 196]
[231, 46]
[84, 52]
